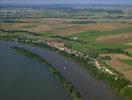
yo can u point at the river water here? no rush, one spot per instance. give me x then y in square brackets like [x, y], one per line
[24, 79]
[88, 87]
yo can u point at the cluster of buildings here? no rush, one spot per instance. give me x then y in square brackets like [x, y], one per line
[105, 69]
[61, 47]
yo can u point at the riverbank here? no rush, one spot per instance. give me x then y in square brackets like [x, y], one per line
[120, 85]
[89, 87]
[66, 84]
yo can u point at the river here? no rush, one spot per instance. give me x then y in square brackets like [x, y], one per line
[24, 79]
[89, 87]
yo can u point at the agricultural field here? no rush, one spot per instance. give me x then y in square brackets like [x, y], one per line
[106, 32]
[114, 43]
[85, 48]
[121, 63]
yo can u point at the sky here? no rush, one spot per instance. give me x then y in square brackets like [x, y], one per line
[122, 2]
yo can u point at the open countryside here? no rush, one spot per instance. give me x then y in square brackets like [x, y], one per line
[66, 51]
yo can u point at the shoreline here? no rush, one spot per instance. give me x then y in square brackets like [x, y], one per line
[122, 91]
[57, 74]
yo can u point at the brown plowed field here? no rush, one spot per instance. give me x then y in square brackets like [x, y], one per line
[120, 66]
[120, 38]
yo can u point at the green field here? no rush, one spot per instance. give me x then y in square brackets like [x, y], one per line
[127, 61]
[92, 44]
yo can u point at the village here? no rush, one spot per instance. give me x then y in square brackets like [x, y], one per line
[60, 46]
